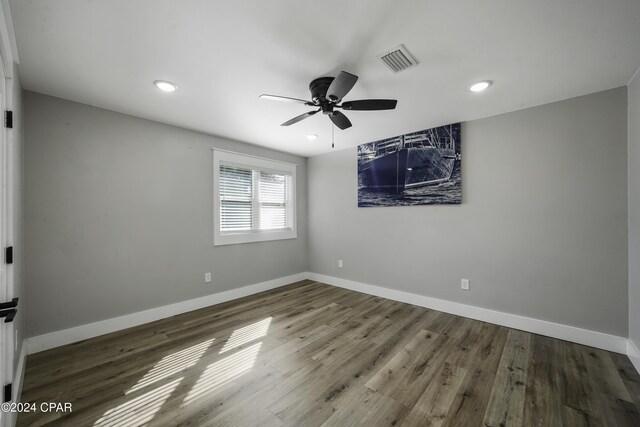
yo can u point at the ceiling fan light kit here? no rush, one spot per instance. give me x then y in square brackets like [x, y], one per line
[326, 95]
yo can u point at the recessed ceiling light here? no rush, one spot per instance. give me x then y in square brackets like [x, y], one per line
[165, 86]
[312, 136]
[480, 86]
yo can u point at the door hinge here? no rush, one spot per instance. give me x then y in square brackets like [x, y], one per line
[8, 255]
[8, 392]
[8, 119]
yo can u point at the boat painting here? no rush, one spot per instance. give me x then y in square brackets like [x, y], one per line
[418, 168]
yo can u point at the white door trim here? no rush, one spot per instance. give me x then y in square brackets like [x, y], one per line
[8, 55]
[6, 329]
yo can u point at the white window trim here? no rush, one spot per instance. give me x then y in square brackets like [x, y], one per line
[229, 157]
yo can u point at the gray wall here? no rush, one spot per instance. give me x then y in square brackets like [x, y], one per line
[118, 215]
[542, 231]
[634, 210]
[16, 149]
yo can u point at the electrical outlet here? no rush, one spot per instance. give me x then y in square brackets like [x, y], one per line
[207, 277]
[339, 263]
[464, 284]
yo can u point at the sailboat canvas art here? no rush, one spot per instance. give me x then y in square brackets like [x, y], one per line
[419, 168]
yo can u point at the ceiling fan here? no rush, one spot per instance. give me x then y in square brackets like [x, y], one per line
[326, 95]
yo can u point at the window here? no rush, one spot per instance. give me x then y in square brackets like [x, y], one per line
[254, 199]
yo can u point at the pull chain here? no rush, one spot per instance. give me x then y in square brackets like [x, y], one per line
[333, 128]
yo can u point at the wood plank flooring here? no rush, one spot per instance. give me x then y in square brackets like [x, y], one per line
[310, 354]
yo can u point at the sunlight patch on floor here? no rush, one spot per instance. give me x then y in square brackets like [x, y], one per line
[223, 371]
[172, 364]
[139, 410]
[246, 334]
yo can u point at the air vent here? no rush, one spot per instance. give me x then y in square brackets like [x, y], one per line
[399, 59]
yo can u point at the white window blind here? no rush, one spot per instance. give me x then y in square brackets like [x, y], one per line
[274, 201]
[236, 198]
[255, 201]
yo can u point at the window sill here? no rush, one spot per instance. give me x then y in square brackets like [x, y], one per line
[252, 237]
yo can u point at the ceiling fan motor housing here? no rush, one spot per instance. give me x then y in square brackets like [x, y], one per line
[318, 89]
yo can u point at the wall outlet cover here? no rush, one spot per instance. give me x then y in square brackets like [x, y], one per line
[464, 284]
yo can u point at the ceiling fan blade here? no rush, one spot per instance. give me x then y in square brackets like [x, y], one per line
[340, 86]
[340, 120]
[299, 118]
[370, 104]
[284, 99]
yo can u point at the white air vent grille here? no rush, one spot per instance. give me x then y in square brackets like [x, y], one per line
[399, 59]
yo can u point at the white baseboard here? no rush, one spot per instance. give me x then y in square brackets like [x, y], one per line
[555, 330]
[79, 333]
[634, 354]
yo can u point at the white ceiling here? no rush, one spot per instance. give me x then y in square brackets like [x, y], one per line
[225, 53]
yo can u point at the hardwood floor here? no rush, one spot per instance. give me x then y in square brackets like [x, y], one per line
[310, 354]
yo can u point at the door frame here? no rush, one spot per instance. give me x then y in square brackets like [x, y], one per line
[8, 56]
[7, 330]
